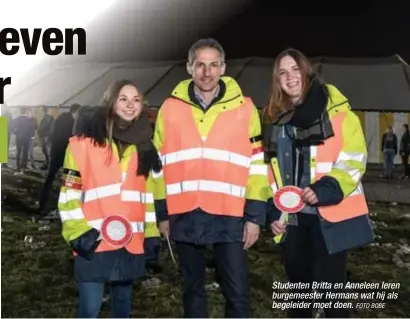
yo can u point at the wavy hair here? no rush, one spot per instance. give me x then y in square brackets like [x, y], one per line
[279, 101]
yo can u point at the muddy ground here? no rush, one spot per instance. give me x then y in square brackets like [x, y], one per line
[37, 268]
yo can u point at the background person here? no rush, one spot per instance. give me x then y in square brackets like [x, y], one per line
[389, 149]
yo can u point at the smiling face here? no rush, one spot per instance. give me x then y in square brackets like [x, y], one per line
[290, 78]
[207, 69]
[128, 105]
[291, 81]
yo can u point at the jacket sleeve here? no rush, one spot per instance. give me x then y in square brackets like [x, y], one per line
[349, 167]
[75, 230]
[159, 188]
[273, 212]
[151, 229]
[257, 189]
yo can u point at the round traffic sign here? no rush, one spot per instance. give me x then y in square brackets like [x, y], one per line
[116, 231]
[288, 199]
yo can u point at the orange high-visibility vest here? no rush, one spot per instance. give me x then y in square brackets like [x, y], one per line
[107, 191]
[209, 173]
[322, 159]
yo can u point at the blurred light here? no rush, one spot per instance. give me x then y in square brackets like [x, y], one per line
[43, 14]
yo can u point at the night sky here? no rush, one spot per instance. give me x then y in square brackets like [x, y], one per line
[336, 28]
[163, 30]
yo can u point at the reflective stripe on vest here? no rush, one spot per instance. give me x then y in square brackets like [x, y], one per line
[323, 159]
[209, 173]
[108, 191]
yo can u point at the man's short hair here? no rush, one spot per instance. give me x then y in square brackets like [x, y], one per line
[203, 44]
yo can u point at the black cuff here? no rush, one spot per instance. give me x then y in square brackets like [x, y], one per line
[328, 191]
[86, 244]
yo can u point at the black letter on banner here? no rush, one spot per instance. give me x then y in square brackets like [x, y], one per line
[6, 39]
[69, 41]
[30, 47]
[3, 83]
[53, 36]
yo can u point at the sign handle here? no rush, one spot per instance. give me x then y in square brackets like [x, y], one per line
[170, 249]
[283, 218]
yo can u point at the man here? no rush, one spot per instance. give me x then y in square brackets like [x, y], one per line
[214, 185]
[24, 128]
[32, 138]
[389, 149]
[405, 150]
[44, 133]
[63, 130]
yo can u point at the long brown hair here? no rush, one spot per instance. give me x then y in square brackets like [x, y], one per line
[109, 100]
[279, 101]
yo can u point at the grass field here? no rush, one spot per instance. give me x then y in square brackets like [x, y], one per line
[37, 281]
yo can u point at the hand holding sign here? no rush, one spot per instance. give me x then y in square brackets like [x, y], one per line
[309, 196]
[277, 227]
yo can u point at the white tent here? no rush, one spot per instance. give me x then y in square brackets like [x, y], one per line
[378, 88]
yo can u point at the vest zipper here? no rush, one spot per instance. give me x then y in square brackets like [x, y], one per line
[297, 161]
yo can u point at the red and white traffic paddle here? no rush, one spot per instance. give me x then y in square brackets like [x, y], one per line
[116, 231]
[288, 200]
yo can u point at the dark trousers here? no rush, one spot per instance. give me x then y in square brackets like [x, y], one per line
[231, 264]
[44, 144]
[55, 165]
[31, 152]
[8, 148]
[152, 246]
[211, 264]
[306, 259]
[22, 146]
[388, 162]
[90, 295]
[406, 165]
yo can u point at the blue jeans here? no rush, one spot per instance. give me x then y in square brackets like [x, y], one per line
[91, 295]
[388, 157]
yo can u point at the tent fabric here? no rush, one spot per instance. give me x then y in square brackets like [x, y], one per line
[374, 84]
[378, 88]
[145, 78]
[59, 86]
[370, 84]
[256, 80]
[374, 125]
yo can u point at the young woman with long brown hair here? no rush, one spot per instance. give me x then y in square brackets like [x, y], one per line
[106, 203]
[315, 142]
